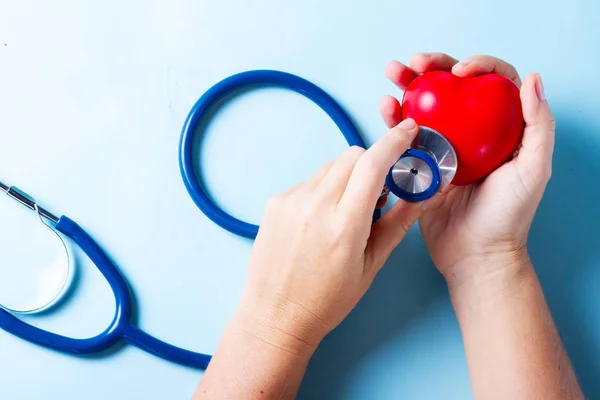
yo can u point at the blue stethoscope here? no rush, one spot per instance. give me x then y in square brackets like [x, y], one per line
[426, 167]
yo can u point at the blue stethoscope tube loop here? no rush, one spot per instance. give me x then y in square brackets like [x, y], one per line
[119, 328]
[436, 180]
[224, 88]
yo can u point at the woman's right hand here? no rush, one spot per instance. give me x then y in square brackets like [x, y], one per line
[466, 228]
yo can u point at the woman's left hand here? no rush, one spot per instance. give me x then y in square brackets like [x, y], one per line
[489, 220]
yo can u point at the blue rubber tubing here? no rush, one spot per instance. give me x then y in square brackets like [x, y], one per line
[199, 112]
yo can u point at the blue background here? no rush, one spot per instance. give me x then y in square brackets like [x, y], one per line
[92, 99]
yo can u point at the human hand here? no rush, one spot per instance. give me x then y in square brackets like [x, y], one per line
[317, 253]
[466, 227]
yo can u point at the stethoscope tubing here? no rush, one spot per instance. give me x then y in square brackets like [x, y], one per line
[121, 327]
[225, 87]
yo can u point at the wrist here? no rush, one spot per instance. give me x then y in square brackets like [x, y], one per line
[272, 332]
[486, 277]
[255, 360]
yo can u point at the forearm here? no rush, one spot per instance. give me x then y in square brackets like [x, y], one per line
[252, 362]
[512, 346]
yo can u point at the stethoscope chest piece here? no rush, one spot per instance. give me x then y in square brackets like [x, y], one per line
[424, 169]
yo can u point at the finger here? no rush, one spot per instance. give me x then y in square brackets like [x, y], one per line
[368, 178]
[318, 176]
[427, 62]
[291, 190]
[311, 183]
[389, 231]
[334, 182]
[391, 111]
[399, 74]
[537, 147]
[479, 65]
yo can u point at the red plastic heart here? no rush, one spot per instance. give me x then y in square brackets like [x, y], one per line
[481, 117]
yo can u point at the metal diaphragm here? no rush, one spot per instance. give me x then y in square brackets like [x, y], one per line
[424, 169]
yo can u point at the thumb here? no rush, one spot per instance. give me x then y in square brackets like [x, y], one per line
[389, 231]
[535, 155]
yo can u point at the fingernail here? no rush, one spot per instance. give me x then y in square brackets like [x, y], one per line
[539, 88]
[462, 64]
[425, 54]
[408, 124]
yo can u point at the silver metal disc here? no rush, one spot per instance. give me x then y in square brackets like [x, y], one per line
[440, 149]
[412, 175]
[32, 287]
[437, 146]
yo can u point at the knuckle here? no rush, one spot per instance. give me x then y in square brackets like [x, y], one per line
[276, 202]
[308, 210]
[512, 73]
[355, 151]
[510, 68]
[341, 232]
[406, 225]
[436, 55]
[307, 207]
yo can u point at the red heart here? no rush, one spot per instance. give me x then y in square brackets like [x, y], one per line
[481, 117]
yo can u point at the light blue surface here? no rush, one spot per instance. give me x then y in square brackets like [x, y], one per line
[92, 98]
